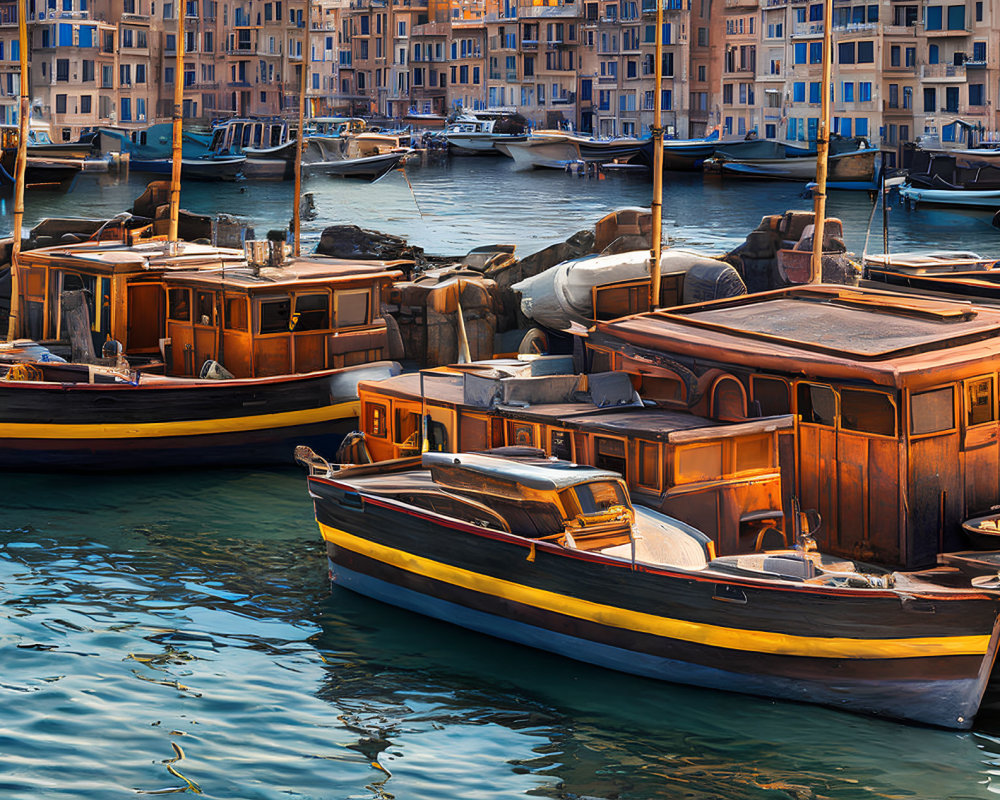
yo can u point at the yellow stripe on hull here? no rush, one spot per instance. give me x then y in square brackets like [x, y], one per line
[152, 430]
[664, 627]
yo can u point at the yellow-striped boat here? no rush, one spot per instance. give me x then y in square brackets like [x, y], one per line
[553, 555]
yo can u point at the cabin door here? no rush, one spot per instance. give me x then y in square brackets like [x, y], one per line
[980, 437]
[146, 311]
[817, 408]
[935, 495]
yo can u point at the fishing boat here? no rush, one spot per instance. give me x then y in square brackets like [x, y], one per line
[853, 170]
[543, 150]
[40, 171]
[152, 143]
[212, 354]
[40, 143]
[479, 132]
[268, 144]
[368, 155]
[897, 391]
[914, 196]
[595, 419]
[683, 154]
[602, 151]
[553, 555]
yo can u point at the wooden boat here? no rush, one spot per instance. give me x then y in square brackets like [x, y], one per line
[736, 492]
[543, 150]
[45, 172]
[553, 555]
[896, 396]
[951, 271]
[282, 342]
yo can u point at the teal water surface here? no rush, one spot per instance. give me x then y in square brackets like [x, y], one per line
[449, 207]
[139, 612]
[192, 609]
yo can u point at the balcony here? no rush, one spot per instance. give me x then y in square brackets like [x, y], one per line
[529, 44]
[742, 4]
[942, 73]
[944, 33]
[142, 19]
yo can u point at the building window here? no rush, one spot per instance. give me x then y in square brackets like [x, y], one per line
[976, 94]
[866, 52]
[60, 104]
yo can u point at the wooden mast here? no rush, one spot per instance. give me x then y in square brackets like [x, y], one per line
[300, 138]
[656, 234]
[822, 150]
[177, 154]
[23, 114]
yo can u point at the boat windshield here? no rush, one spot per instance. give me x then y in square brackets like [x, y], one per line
[597, 497]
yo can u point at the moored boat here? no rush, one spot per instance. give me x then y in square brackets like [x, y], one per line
[221, 355]
[479, 132]
[683, 154]
[854, 170]
[543, 149]
[553, 555]
[950, 196]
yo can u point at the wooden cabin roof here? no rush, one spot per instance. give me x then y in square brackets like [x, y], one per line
[297, 272]
[820, 330]
[540, 474]
[151, 256]
[647, 423]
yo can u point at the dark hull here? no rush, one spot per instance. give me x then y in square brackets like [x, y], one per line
[79, 426]
[860, 650]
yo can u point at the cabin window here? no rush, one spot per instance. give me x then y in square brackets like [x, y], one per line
[274, 315]
[932, 412]
[610, 454]
[699, 462]
[350, 308]
[407, 427]
[771, 396]
[560, 445]
[236, 313]
[600, 361]
[753, 452]
[522, 435]
[375, 420]
[205, 308]
[312, 312]
[598, 496]
[473, 435]
[817, 404]
[437, 437]
[728, 399]
[663, 389]
[867, 412]
[979, 401]
[648, 457]
[179, 301]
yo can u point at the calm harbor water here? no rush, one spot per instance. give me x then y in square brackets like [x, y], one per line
[177, 631]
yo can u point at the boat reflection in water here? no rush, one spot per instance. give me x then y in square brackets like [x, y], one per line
[553, 555]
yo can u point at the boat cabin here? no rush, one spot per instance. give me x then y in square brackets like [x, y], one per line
[895, 399]
[236, 135]
[174, 306]
[572, 505]
[721, 477]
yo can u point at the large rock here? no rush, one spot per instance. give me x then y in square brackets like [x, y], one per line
[353, 242]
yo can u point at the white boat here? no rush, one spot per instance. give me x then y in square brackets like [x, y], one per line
[543, 149]
[479, 132]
